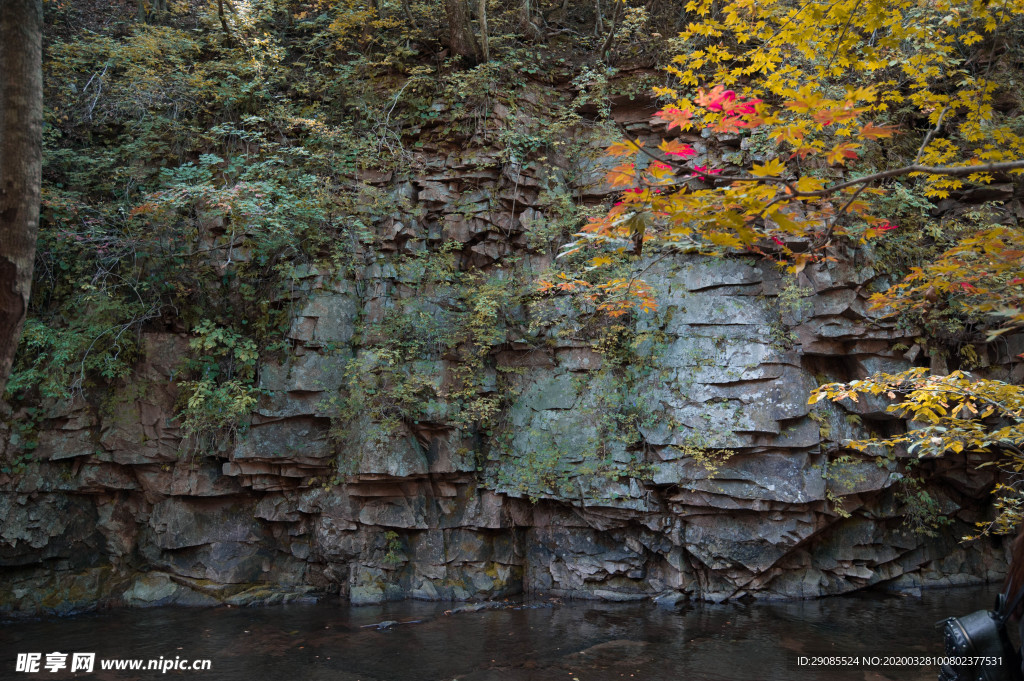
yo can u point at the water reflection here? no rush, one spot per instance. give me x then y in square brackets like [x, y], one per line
[543, 642]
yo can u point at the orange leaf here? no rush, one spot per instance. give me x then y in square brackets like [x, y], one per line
[676, 118]
[622, 175]
[727, 124]
[803, 151]
[716, 98]
[624, 148]
[659, 171]
[792, 134]
[677, 148]
[874, 132]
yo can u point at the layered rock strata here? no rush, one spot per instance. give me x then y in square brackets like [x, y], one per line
[729, 486]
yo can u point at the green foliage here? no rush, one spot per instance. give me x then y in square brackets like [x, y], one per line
[393, 548]
[17, 463]
[385, 388]
[611, 411]
[793, 298]
[548, 472]
[222, 395]
[711, 460]
[842, 476]
[22, 440]
[179, 185]
[430, 359]
[614, 405]
[99, 343]
[786, 310]
[922, 513]
[538, 474]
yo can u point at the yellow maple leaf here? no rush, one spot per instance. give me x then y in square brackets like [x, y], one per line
[809, 184]
[772, 168]
[724, 239]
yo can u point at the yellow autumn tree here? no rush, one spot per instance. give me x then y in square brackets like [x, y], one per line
[837, 100]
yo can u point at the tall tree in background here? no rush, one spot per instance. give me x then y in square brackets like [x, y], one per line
[460, 37]
[21, 126]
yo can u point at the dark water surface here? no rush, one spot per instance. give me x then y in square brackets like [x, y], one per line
[544, 642]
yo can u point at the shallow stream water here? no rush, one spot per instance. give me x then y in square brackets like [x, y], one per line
[543, 641]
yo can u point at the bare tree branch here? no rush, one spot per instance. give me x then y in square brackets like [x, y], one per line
[949, 171]
[931, 133]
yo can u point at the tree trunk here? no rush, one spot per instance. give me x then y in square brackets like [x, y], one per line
[223, 20]
[408, 15]
[460, 38]
[606, 49]
[526, 23]
[21, 163]
[148, 9]
[482, 14]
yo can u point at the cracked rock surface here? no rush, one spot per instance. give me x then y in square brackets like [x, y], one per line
[117, 507]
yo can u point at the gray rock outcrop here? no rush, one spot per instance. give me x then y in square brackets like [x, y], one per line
[673, 457]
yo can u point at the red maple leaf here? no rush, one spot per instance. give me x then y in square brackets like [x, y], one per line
[676, 148]
[705, 170]
[716, 98]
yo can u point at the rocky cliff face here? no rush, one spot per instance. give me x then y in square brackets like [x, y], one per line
[540, 451]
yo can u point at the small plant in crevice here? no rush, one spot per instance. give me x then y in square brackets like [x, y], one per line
[429, 361]
[922, 513]
[711, 460]
[394, 550]
[843, 474]
[793, 299]
[17, 464]
[784, 309]
[220, 392]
